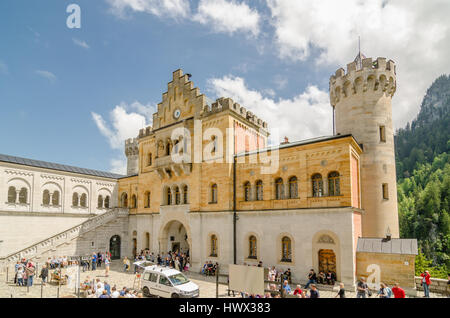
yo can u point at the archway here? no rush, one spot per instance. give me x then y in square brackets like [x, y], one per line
[174, 237]
[327, 261]
[114, 247]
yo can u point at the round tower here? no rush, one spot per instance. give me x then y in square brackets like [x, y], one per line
[361, 99]
[132, 153]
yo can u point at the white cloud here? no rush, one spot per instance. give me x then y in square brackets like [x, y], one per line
[81, 43]
[228, 16]
[305, 116]
[412, 33]
[46, 74]
[125, 122]
[167, 8]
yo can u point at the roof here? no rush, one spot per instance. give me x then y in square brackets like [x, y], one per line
[296, 143]
[394, 246]
[59, 167]
[161, 269]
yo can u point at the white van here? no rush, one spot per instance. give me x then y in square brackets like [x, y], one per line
[168, 283]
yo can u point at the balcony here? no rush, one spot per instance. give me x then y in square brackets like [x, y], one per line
[166, 168]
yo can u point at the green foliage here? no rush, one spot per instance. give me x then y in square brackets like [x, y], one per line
[423, 173]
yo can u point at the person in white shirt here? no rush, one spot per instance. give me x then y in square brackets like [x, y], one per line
[114, 293]
[98, 283]
[99, 290]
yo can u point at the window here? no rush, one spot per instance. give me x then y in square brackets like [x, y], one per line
[279, 189]
[163, 280]
[100, 202]
[252, 247]
[293, 188]
[147, 199]
[213, 246]
[177, 196]
[168, 148]
[75, 199]
[46, 197]
[133, 202]
[149, 159]
[23, 195]
[259, 190]
[214, 193]
[286, 249]
[83, 200]
[317, 185]
[12, 195]
[185, 194]
[55, 198]
[124, 200]
[333, 184]
[382, 134]
[385, 191]
[169, 196]
[247, 190]
[214, 141]
[153, 278]
[107, 201]
[146, 276]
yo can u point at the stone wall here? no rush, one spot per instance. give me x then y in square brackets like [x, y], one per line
[439, 286]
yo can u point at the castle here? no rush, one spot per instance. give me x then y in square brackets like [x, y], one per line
[204, 180]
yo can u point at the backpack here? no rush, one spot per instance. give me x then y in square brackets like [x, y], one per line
[388, 292]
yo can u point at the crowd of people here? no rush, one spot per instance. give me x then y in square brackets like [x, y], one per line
[177, 260]
[98, 289]
[209, 269]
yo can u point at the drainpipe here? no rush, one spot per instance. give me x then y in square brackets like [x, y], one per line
[234, 211]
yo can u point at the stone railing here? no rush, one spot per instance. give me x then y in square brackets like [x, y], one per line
[54, 241]
[439, 286]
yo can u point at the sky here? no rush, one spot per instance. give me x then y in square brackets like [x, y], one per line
[73, 95]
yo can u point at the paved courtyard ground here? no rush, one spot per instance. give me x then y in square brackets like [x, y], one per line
[120, 279]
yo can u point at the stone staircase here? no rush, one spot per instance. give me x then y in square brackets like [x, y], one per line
[51, 244]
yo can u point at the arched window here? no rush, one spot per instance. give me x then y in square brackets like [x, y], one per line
[133, 201]
[259, 190]
[247, 190]
[124, 200]
[317, 185]
[147, 199]
[149, 159]
[169, 196]
[214, 193]
[286, 249]
[293, 188]
[177, 196]
[252, 247]
[107, 202]
[213, 246]
[279, 189]
[46, 197]
[185, 194]
[23, 195]
[12, 195]
[100, 202]
[75, 199]
[83, 200]
[334, 187]
[168, 148]
[55, 198]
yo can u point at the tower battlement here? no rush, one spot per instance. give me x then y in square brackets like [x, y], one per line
[222, 104]
[375, 76]
[131, 147]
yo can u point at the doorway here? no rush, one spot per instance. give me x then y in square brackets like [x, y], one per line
[114, 247]
[327, 261]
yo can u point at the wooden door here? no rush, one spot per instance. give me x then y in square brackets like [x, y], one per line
[327, 261]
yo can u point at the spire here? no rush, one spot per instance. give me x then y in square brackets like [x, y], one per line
[360, 56]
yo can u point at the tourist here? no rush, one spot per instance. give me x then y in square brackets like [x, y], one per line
[312, 278]
[44, 274]
[321, 278]
[123, 292]
[361, 288]
[383, 292]
[107, 287]
[99, 290]
[425, 283]
[398, 292]
[20, 274]
[30, 270]
[104, 294]
[99, 259]
[94, 262]
[313, 292]
[330, 279]
[107, 263]
[288, 275]
[341, 292]
[298, 291]
[286, 288]
[115, 293]
[126, 264]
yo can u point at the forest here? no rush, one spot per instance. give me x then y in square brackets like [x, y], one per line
[423, 177]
